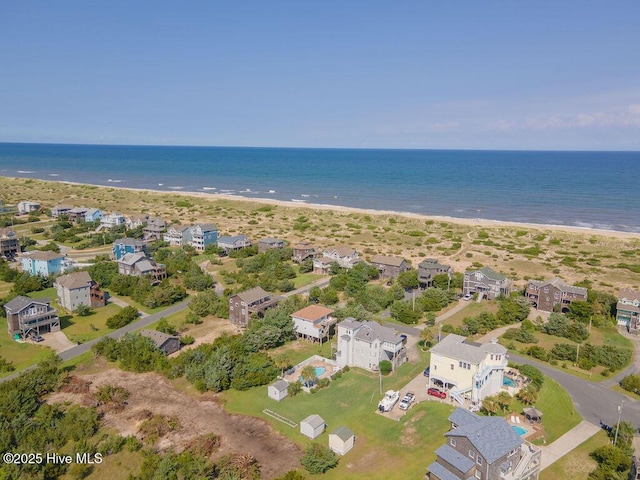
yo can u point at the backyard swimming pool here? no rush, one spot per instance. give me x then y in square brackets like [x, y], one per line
[318, 371]
[508, 382]
[519, 430]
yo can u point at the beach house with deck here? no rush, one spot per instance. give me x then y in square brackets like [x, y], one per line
[9, 243]
[203, 234]
[302, 251]
[44, 263]
[553, 295]
[27, 316]
[235, 242]
[486, 282]
[178, 235]
[390, 267]
[429, 268]
[127, 245]
[243, 305]
[313, 323]
[628, 310]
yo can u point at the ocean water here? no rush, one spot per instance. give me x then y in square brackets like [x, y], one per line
[584, 189]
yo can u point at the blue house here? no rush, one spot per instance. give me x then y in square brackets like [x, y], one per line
[43, 263]
[203, 234]
[92, 215]
[127, 245]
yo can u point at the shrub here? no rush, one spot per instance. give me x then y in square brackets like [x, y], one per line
[385, 367]
[318, 459]
[123, 317]
[294, 388]
[537, 352]
[631, 383]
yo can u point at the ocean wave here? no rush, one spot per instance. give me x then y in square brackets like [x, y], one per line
[54, 174]
[208, 188]
[26, 171]
[178, 187]
[272, 191]
[115, 181]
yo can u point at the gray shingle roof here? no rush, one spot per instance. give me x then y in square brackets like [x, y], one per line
[441, 472]
[370, 331]
[492, 437]
[455, 458]
[392, 261]
[270, 241]
[560, 285]
[45, 256]
[234, 239]
[280, 385]
[629, 295]
[132, 258]
[129, 241]
[158, 338]
[461, 416]
[343, 433]
[75, 280]
[490, 274]
[314, 421]
[455, 346]
[253, 295]
[21, 302]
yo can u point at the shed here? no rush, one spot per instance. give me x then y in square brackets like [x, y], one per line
[312, 426]
[278, 390]
[341, 440]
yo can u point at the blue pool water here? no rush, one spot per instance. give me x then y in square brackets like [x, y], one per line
[519, 430]
[508, 382]
[318, 371]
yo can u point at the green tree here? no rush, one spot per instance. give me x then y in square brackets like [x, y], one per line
[408, 279]
[386, 367]
[83, 310]
[204, 303]
[490, 405]
[402, 311]
[631, 383]
[308, 375]
[318, 459]
[282, 361]
[528, 395]
[504, 400]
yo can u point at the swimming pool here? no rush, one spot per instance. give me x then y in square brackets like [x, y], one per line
[508, 382]
[318, 371]
[519, 430]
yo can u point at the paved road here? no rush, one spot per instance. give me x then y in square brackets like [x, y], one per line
[594, 401]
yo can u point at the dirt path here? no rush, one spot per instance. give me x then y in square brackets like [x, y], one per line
[197, 416]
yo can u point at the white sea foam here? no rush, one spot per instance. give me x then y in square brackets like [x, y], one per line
[114, 181]
[208, 188]
[54, 174]
[26, 171]
[297, 200]
[304, 195]
[160, 184]
[177, 188]
[272, 191]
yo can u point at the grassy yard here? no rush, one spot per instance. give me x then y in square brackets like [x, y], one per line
[137, 305]
[471, 310]
[22, 354]
[83, 329]
[304, 279]
[577, 464]
[384, 448]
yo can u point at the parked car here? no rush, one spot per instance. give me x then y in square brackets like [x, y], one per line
[407, 400]
[37, 338]
[427, 371]
[467, 297]
[437, 393]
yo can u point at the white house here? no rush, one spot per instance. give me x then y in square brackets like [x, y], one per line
[366, 344]
[341, 440]
[346, 257]
[278, 390]
[178, 235]
[313, 322]
[233, 243]
[312, 426]
[467, 369]
[27, 206]
[112, 220]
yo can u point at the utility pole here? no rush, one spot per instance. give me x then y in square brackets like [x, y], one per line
[590, 319]
[615, 439]
[577, 353]
[380, 376]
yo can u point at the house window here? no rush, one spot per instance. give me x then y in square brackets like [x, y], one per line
[460, 364]
[479, 460]
[472, 454]
[478, 474]
[546, 290]
[452, 442]
[452, 366]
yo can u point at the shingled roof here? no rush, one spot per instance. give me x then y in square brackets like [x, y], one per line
[75, 280]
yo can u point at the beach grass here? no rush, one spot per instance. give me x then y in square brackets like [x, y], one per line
[577, 464]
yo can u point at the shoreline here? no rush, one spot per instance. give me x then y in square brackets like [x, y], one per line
[470, 222]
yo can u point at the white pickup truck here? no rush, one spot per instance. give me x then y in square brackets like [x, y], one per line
[407, 400]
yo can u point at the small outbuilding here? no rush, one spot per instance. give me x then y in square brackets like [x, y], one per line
[167, 343]
[341, 440]
[533, 414]
[278, 390]
[312, 426]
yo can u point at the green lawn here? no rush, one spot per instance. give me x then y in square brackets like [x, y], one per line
[22, 354]
[576, 465]
[48, 293]
[471, 310]
[384, 448]
[137, 305]
[83, 329]
[304, 279]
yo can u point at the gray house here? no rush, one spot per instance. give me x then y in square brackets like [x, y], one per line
[484, 448]
[167, 343]
[27, 316]
[269, 243]
[486, 282]
[233, 243]
[390, 267]
[278, 390]
[312, 426]
[243, 305]
[429, 268]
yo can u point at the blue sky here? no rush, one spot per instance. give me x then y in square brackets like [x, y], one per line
[490, 75]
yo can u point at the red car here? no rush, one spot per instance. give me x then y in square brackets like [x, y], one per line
[437, 393]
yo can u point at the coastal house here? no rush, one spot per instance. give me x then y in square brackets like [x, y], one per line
[135, 221]
[312, 426]
[138, 265]
[484, 448]
[467, 369]
[27, 316]
[302, 251]
[236, 242]
[77, 289]
[127, 245]
[93, 215]
[269, 243]
[341, 440]
[60, 210]
[9, 243]
[154, 229]
[313, 323]
[25, 207]
[322, 265]
[429, 268]
[112, 220]
[366, 344]
[278, 390]
[628, 310]
[77, 215]
[253, 301]
[486, 282]
[178, 235]
[44, 263]
[203, 234]
[167, 344]
[346, 257]
[553, 295]
[390, 267]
